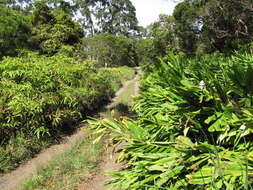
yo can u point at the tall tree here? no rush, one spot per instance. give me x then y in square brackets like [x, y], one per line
[15, 29]
[96, 16]
[187, 26]
[163, 34]
[53, 28]
[227, 23]
[108, 16]
[208, 25]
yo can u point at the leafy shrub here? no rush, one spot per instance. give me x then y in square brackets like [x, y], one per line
[194, 128]
[44, 97]
[40, 94]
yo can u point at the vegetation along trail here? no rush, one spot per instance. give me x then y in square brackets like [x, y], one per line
[123, 97]
[190, 126]
[16, 178]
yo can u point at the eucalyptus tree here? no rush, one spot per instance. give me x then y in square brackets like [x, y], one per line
[96, 16]
[108, 16]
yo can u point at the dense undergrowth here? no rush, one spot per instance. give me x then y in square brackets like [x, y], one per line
[194, 126]
[41, 98]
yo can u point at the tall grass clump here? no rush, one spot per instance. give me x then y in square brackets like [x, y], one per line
[43, 97]
[194, 128]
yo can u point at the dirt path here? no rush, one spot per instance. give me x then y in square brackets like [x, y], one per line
[109, 160]
[14, 179]
[118, 96]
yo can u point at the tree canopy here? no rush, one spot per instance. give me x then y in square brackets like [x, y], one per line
[53, 28]
[96, 16]
[195, 28]
[221, 25]
[108, 16]
[110, 50]
[15, 30]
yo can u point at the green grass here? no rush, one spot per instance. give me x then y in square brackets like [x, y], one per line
[123, 103]
[20, 149]
[121, 74]
[127, 96]
[68, 169]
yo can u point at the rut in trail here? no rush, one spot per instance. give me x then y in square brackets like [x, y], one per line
[96, 182]
[14, 179]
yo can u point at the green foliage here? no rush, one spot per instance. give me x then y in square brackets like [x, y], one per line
[96, 16]
[144, 50]
[194, 127]
[114, 16]
[19, 149]
[43, 97]
[52, 29]
[204, 26]
[160, 41]
[187, 26]
[163, 32]
[15, 30]
[227, 24]
[111, 50]
[41, 94]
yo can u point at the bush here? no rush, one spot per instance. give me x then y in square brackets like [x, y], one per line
[194, 129]
[39, 95]
[43, 97]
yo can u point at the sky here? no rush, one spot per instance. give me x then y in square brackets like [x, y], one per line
[147, 11]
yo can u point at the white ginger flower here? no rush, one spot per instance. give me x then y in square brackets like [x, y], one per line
[202, 85]
[243, 127]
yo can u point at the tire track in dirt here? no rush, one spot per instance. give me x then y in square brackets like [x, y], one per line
[109, 159]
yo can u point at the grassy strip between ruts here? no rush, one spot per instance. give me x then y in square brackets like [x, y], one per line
[67, 170]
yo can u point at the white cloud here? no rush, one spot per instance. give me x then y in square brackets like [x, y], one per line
[147, 11]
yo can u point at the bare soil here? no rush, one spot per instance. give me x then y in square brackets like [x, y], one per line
[14, 179]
